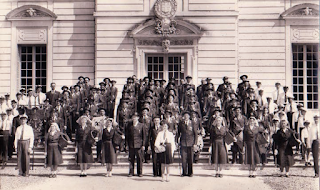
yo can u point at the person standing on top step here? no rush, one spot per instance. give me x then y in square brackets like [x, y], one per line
[24, 143]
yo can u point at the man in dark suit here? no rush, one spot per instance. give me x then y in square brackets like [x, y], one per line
[188, 140]
[15, 124]
[53, 95]
[154, 130]
[135, 136]
[112, 100]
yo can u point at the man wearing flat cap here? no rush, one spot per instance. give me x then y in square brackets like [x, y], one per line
[314, 140]
[247, 100]
[5, 131]
[283, 97]
[3, 105]
[277, 92]
[31, 99]
[136, 140]
[39, 96]
[237, 126]
[53, 94]
[7, 100]
[222, 88]
[146, 120]
[187, 137]
[23, 143]
[243, 87]
[20, 101]
[113, 98]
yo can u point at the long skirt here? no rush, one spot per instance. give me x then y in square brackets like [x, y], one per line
[84, 152]
[54, 156]
[252, 156]
[109, 153]
[219, 152]
[285, 158]
[166, 157]
[23, 156]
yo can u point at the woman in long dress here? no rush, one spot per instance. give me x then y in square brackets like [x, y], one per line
[285, 140]
[54, 156]
[84, 147]
[219, 152]
[252, 156]
[165, 138]
[109, 151]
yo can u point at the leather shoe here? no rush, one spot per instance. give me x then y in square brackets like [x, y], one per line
[140, 175]
[130, 175]
[191, 175]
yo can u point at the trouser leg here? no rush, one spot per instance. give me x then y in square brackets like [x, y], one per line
[184, 160]
[139, 155]
[190, 160]
[315, 154]
[131, 160]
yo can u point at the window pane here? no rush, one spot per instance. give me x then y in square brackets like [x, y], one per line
[170, 59]
[309, 105]
[155, 60]
[38, 57]
[160, 59]
[37, 73]
[29, 57]
[29, 73]
[44, 57]
[149, 59]
[43, 81]
[23, 49]
[160, 67]
[161, 75]
[23, 65]
[301, 63]
[43, 73]
[294, 72]
[29, 64]
[44, 49]
[315, 105]
[29, 82]
[23, 81]
[149, 67]
[38, 49]
[44, 65]
[29, 49]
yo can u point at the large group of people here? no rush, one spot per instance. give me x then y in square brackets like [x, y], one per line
[154, 119]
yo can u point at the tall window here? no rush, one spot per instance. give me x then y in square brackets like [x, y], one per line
[33, 66]
[306, 74]
[166, 66]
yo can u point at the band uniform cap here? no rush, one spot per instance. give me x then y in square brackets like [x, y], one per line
[102, 83]
[217, 109]
[225, 77]
[87, 78]
[316, 116]
[66, 91]
[7, 94]
[275, 118]
[76, 86]
[285, 87]
[208, 79]
[22, 89]
[243, 76]
[18, 93]
[71, 87]
[113, 81]
[101, 109]
[14, 101]
[303, 109]
[110, 119]
[277, 83]
[38, 86]
[3, 113]
[106, 79]
[9, 109]
[299, 105]
[29, 90]
[188, 77]
[282, 112]
[80, 77]
[254, 101]
[306, 122]
[64, 87]
[1, 98]
[250, 90]
[23, 116]
[258, 82]
[269, 97]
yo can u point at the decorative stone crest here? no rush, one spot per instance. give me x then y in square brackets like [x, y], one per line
[31, 12]
[304, 34]
[165, 10]
[304, 12]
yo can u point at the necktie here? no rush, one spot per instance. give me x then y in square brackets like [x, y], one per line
[29, 102]
[39, 99]
[285, 97]
[21, 137]
[277, 94]
[2, 125]
[290, 108]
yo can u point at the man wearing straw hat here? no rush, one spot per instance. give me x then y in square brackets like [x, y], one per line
[314, 139]
[24, 138]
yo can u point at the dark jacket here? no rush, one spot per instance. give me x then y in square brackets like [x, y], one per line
[53, 97]
[135, 136]
[188, 134]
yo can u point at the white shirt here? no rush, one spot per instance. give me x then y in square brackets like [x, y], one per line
[169, 139]
[314, 133]
[15, 112]
[305, 136]
[27, 134]
[281, 99]
[31, 102]
[8, 103]
[272, 107]
[6, 125]
[276, 94]
[21, 102]
[3, 107]
[291, 107]
[40, 98]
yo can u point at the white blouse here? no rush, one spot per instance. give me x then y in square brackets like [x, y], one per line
[169, 139]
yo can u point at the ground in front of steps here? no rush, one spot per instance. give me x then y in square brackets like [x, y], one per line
[202, 180]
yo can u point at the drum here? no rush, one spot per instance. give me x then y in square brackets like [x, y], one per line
[63, 140]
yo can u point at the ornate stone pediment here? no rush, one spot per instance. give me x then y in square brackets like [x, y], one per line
[306, 10]
[31, 12]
